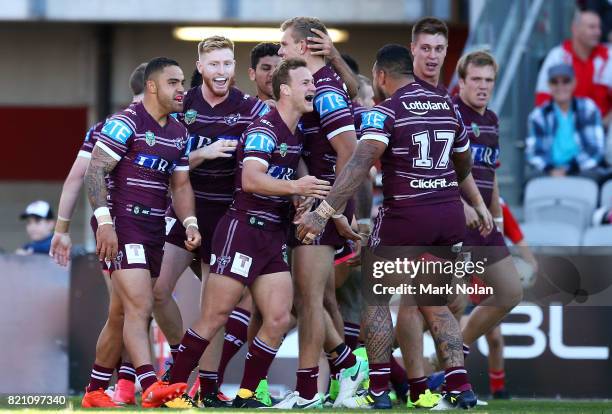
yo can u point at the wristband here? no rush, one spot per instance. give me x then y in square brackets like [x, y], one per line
[106, 222]
[62, 225]
[325, 210]
[365, 221]
[63, 219]
[337, 216]
[192, 225]
[190, 220]
[101, 211]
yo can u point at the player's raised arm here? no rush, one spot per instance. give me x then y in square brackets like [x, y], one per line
[322, 45]
[223, 148]
[101, 164]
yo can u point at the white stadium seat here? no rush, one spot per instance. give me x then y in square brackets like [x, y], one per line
[569, 200]
[551, 234]
[605, 198]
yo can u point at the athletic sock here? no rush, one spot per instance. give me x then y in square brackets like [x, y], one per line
[100, 378]
[191, 349]
[306, 383]
[235, 336]
[146, 376]
[258, 361]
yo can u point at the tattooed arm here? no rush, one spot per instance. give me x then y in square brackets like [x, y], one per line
[350, 178]
[100, 165]
[446, 333]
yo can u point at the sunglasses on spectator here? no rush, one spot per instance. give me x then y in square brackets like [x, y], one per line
[562, 81]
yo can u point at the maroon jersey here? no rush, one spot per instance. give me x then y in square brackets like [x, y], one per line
[483, 132]
[213, 180]
[421, 129]
[269, 141]
[332, 115]
[358, 112]
[147, 154]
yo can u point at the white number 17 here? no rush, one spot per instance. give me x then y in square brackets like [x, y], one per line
[422, 140]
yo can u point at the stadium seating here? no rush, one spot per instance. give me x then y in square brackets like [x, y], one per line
[551, 236]
[568, 200]
[605, 198]
[598, 236]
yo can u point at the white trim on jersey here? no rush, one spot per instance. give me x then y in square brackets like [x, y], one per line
[340, 130]
[264, 162]
[182, 168]
[109, 151]
[462, 149]
[84, 154]
[376, 137]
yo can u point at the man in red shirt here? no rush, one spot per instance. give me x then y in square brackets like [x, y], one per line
[590, 60]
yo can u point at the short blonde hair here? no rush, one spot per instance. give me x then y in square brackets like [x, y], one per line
[477, 58]
[301, 27]
[215, 43]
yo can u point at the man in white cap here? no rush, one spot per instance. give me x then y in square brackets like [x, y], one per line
[39, 226]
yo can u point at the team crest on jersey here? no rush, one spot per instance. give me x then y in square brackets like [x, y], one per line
[179, 143]
[190, 116]
[231, 119]
[475, 129]
[150, 138]
[224, 260]
[283, 149]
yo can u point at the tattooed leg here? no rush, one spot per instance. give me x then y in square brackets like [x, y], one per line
[378, 333]
[446, 333]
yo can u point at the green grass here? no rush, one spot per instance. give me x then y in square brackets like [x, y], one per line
[507, 407]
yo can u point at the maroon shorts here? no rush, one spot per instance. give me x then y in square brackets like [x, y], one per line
[345, 253]
[140, 245]
[244, 251]
[329, 236]
[438, 225]
[490, 249]
[208, 215]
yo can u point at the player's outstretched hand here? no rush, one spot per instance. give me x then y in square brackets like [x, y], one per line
[344, 229]
[485, 219]
[310, 186]
[310, 226]
[322, 45]
[223, 148]
[106, 243]
[60, 248]
[194, 239]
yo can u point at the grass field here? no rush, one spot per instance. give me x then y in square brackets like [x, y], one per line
[507, 407]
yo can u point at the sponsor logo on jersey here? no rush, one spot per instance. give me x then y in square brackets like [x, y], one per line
[258, 141]
[150, 138]
[475, 129]
[117, 130]
[264, 110]
[484, 155]
[281, 173]
[328, 102]
[421, 108]
[224, 260]
[190, 116]
[153, 162]
[268, 123]
[138, 210]
[282, 149]
[432, 183]
[231, 119]
[373, 119]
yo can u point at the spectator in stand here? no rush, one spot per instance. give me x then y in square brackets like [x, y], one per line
[566, 136]
[604, 9]
[39, 226]
[590, 59]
